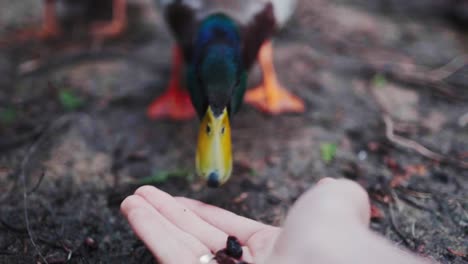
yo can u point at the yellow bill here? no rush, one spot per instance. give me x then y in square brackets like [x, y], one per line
[214, 152]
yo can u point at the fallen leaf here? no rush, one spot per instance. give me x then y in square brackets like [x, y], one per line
[328, 151]
[69, 100]
[7, 115]
[241, 197]
[376, 213]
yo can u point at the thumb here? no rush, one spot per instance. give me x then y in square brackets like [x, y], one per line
[332, 202]
[332, 211]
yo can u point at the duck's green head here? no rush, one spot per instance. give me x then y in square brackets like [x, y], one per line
[217, 82]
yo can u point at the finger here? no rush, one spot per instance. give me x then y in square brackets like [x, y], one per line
[184, 238]
[332, 213]
[256, 236]
[156, 236]
[182, 217]
[241, 227]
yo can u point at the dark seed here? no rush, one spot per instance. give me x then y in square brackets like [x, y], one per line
[233, 247]
[223, 258]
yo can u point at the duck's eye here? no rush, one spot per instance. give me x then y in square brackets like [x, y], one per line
[208, 129]
[222, 130]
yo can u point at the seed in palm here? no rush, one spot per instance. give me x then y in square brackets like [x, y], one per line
[233, 247]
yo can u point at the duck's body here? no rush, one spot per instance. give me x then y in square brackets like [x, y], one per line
[257, 20]
[219, 41]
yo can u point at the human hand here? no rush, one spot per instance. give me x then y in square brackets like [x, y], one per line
[328, 224]
[181, 230]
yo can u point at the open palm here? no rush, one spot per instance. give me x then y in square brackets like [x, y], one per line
[180, 230]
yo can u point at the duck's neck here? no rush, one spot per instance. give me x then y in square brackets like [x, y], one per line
[218, 28]
[218, 59]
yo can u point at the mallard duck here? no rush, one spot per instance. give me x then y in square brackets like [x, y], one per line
[51, 26]
[218, 41]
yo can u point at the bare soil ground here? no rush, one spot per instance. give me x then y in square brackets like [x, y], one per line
[385, 82]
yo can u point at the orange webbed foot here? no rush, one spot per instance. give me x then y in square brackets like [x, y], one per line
[175, 103]
[276, 102]
[271, 97]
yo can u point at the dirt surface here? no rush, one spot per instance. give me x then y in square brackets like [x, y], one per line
[384, 81]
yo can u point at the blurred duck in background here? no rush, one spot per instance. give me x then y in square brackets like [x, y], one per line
[100, 19]
[106, 18]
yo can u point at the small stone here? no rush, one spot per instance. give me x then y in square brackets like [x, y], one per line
[207, 258]
[362, 155]
[274, 200]
[91, 243]
[435, 121]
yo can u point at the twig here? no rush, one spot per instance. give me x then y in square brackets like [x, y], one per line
[448, 69]
[25, 199]
[413, 145]
[37, 184]
[9, 143]
[415, 204]
[413, 228]
[389, 132]
[56, 124]
[81, 56]
[397, 230]
[408, 143]
[408, 243]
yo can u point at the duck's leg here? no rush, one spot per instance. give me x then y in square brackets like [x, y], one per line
[49, 29]
[271, 97]
[105, 30]
[175, 102]
[50, 26]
